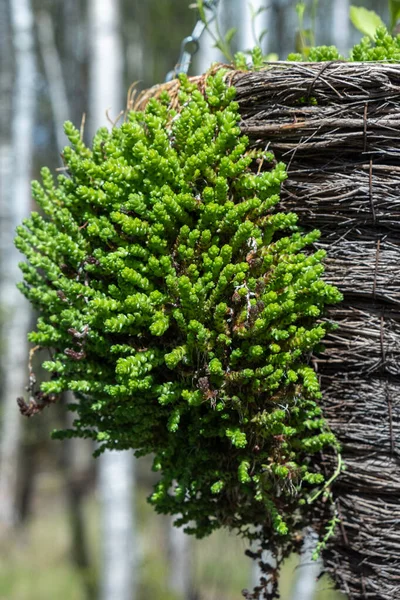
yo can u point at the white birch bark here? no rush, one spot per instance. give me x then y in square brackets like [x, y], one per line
[256, 572]
[341, 25]
[116, 480]
[5, 94]
[77, 453]
[250, 30]
[116, 469]
[207, 53]
[54, 76]
[305, 584]
[15, 206]
[106, 62]
[180, 555]
[74, 50]
[282, 28]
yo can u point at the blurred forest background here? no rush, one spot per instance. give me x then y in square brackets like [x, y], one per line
[71, 527]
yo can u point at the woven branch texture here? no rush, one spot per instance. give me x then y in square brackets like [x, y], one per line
[337, 126]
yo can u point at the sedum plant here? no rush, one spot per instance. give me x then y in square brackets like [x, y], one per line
[180, 304]
[382, 47]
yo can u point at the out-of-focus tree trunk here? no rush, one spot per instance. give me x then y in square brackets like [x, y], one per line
[207, 53]
[250, 30]
[6, 106]
[15, 206]
[116, 469]
[74, 52]
[180, 555]
[139, 54]
[76, 455]
[119, 541]
[340, 25]
[54, 75]
[76, 466]
[305, 582]
[106, 62]
[257, 573]
[5, 139]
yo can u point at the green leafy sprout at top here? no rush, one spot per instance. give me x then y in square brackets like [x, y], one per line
[180, 305]
[382, 47]
[377, 45]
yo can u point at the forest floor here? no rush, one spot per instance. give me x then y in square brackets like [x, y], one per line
[36, 563]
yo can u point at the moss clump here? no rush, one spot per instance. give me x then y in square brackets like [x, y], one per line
[180, 307]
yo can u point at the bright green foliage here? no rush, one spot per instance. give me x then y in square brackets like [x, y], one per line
[394, 11]
[384, 47]
[180, 306]
[366, 21]
[317, 54]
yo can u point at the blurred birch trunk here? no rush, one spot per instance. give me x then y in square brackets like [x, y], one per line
[76, 458]
[180, 558]
[6, 81]
[207, 53]
[340, 24]
[54, 76]
[74, 52]
[116, 469]
[308, 571]
[15, 206]
[250, 29]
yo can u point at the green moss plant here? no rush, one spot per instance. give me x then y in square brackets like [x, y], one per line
[180, 304]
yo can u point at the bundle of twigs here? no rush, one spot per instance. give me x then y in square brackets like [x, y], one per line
[364, 343]
[337, 126]
[364, 267]
[330, 107]
[335, 195]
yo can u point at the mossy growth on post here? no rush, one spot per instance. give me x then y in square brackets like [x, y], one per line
[180, 305]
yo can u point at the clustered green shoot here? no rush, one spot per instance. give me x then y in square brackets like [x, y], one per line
[383, 47]
[180, 304]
